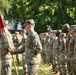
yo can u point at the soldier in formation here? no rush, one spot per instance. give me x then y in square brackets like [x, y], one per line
[62, 48]
[16, 41]
[22, 43]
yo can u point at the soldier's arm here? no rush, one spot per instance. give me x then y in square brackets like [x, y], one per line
[21, 42]
[19, 51]
[36, 44]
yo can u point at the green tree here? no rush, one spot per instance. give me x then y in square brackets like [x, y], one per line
[5, 5]
[45, 12]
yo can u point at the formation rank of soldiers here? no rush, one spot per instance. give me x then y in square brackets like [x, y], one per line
[59, 49]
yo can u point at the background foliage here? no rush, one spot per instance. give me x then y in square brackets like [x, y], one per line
[45, 12]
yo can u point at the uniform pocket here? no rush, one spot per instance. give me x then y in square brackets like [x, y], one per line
[35, 60]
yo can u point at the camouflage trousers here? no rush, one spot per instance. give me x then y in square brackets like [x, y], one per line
[54, 66]
[32, 69]
[23, 60]
[6, 67]
[70, 64]
[47, 57]
[62, 64]
[74, 65]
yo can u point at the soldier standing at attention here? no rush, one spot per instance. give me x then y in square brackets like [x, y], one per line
[74, 52]
[16, 41]
[6, 58]
[47, 50]
[66, 29]
[62, 57]
[22, 43]
[55, 52]
[33, 48]
[43, 39]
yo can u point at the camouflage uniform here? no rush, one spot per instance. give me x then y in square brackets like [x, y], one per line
[32, 48]
[16, 41]
[65, 29]
[74, 57]
[55, 53]
[72, 50]
[42, 53]
[47, 51]
[51, 50]
[23, 54]
[6, 58]
[73, 53]
[62, 57]
[69, 48]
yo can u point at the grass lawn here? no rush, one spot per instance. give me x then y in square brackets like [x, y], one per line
[42, 69]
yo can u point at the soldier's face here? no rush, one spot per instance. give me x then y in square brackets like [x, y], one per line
[61, 38]
[27, 28]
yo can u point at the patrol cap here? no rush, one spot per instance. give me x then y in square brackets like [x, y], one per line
[46, 34]
[54, 31]
[66, 26]
[23, 30]
[16, 32]
[6, 22]
[73, 26]
[62, 34]
[50, 31]
[41, 34]
[29, 22]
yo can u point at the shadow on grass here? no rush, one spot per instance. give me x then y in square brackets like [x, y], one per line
[43, 70]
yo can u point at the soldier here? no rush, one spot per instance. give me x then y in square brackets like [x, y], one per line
[66, 29]
[51, 46]
[43, 39]
[55, 51]
[23, 34]
[16, 40]
[57, 48]
[74, 52]
[6, 46]
[47, 50]
[32, 48]
[62, 60]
